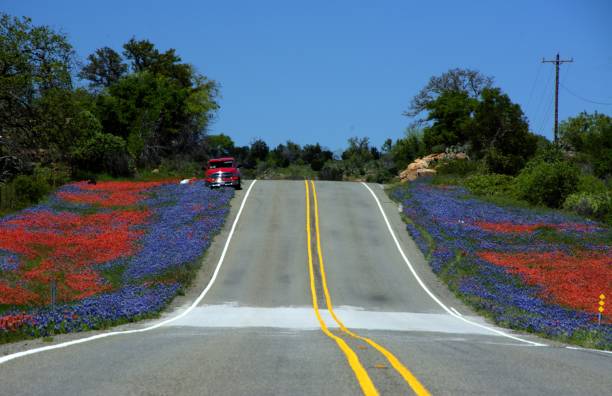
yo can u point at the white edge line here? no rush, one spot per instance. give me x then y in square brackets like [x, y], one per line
[588, 349]
[455, 311]
[16, 355]
[424, 287]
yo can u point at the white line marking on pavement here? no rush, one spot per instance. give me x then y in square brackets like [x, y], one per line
[455, 311]
[231, 315]
[588, 350]
[422, 284]
[12, 356]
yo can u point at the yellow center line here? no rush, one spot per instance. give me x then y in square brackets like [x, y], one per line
[367, 386]
[412, 381]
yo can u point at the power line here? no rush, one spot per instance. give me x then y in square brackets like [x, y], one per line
[545, 115]
[582, 98]
[537, 113]
[533, 86]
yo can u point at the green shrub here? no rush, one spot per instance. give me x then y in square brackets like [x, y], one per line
[104, 153]
[29, 189]
[497, 161]
[490, 185]
[375, 172]
[457, 167]
[332, 170]
[55, 176]
[594, 205]
[547, 183]
[591, 184]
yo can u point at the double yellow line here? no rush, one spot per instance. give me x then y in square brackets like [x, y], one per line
[361, 374]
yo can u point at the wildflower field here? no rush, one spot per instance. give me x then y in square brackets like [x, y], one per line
[103, 254]
[528, 269]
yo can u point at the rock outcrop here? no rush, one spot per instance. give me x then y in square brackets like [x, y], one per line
[426, 166]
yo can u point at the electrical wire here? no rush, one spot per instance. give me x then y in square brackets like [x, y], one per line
[583, 98]
[535, 82]
[537, 119]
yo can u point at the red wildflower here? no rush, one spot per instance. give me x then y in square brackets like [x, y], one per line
[512, 228]
[112, 193]
[573, 281]
[62, 246]
[12, 322]
[15, 295]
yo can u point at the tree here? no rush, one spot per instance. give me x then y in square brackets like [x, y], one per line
[105, 68]
[590, 135]
[258, 151]
[34, 60]
[316, 156]
[356, 156]
[142, 54]
[219, 145]
[358, 150]
[469, 81]
[145, 57]
[450, 113]
[287, 154]
[498, 132]
[406, 150]
[161, 109]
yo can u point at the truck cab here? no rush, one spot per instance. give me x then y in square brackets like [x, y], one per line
[222, 172]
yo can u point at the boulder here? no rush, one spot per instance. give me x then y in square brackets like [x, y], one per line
[424, 166]
[425, 172]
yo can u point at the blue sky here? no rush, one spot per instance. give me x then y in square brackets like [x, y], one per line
[322, 71]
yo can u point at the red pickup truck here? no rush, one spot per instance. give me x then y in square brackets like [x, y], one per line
[222, 172]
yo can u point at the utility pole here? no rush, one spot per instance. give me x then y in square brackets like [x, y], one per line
[557, 63]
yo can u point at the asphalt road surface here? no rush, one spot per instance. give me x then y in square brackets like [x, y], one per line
[298, 311]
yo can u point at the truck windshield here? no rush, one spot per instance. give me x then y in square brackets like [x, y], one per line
[220, 164]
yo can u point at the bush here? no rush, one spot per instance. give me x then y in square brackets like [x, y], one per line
[594, 205]
[490, 185]
[332, 170]
[499, 162]
[29, 189]
[547, 183]
[591, 184]
[457, 167]
[104, 153]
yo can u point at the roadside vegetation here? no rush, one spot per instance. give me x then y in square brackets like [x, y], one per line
[536, 270]
[92, 256]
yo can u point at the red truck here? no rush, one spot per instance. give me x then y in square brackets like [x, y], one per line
[222, 172]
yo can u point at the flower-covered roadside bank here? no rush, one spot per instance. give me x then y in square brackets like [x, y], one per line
[531, 270]
[95, 255]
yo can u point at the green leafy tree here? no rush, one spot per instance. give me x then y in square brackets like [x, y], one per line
[103, 152]
[590, 135]
[219, 145]
[450, 114]
[357, 155]
[407, 149]
[284, 155]
[316, 156]
[145, 57]
[34, 60]
[498, 132]
[258, 151]
[467, 81]
[104, 68]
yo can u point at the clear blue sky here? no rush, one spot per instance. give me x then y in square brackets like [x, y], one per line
[327, 70]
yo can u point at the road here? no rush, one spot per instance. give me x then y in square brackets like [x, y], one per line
[257, 331]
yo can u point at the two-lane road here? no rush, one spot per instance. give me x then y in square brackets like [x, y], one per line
[256, 332]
